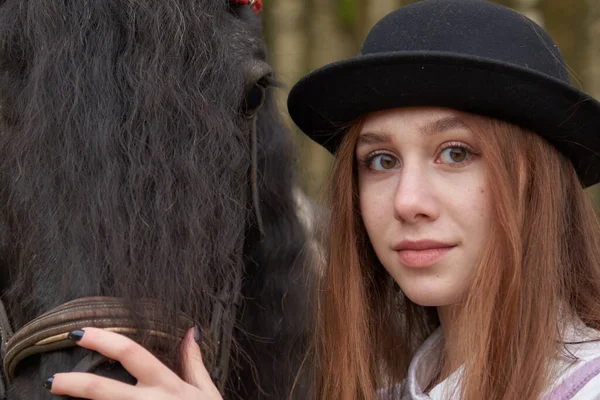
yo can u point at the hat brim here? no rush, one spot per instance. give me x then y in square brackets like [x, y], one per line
[325, 101]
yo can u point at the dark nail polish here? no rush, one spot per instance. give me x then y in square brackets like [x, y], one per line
[76, 335]
[197, 334]
[48, 383]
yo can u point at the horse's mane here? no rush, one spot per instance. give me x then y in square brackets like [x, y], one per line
[124, 164]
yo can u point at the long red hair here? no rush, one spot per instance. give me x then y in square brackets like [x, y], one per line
[543, 257]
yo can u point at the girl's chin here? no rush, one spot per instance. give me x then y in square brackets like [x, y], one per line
[432, 299]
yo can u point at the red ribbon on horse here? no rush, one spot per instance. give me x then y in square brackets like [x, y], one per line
[256, 4]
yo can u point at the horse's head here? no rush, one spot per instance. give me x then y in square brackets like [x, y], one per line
[138, 161]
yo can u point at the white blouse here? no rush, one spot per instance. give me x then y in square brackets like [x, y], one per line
[576, 372]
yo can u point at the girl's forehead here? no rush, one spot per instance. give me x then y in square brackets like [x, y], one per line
[409, 116]
[426, 121]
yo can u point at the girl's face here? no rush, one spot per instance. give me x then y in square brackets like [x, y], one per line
[424, 199]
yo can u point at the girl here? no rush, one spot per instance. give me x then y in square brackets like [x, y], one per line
[464, 256]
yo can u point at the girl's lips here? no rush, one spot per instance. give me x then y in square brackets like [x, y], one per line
[422, 258]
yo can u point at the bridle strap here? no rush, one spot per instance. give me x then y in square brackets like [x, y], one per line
[254, 180]
[225, 311]
[88, 363]
[5, 334]
[222, 325]
[49, 331]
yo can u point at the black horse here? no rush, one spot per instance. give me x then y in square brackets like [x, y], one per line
[129, 168]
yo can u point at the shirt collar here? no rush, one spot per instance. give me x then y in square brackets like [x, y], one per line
[423, 369]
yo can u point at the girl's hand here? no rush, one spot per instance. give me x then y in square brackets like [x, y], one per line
[155, 380]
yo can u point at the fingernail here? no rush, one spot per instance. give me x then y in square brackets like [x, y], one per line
[197, 334]
[76, 335]
[48, 383]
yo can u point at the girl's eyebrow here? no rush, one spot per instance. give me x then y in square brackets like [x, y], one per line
[373, 138]
[444, 124]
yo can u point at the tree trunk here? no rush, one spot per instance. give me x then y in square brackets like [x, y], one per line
[592, 74]
[373, 11]
[566, 23]
[284, 23]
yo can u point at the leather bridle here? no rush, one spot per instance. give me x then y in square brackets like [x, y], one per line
[48, 332]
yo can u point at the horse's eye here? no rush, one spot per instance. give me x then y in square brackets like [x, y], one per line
[255, 98]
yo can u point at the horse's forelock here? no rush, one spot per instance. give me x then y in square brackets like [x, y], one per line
[125, 165]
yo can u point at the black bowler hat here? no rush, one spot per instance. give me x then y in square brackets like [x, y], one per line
[469, 55]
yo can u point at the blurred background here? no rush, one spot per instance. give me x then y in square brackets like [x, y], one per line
[305, 34]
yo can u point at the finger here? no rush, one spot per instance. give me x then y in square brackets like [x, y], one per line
[194, 371]
[138, 361]
[95, 387]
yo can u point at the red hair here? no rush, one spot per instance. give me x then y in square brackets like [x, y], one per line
[543, 256]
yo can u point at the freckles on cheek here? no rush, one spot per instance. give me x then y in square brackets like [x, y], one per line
[371, 211]
[482, 193]
[367, 207]
[376, 202]
[483, 201]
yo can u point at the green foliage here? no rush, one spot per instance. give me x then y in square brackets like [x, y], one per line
[347, 11]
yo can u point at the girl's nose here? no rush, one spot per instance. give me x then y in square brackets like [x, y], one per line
[415, 199]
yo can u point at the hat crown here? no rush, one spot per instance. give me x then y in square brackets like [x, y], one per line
[473, 28]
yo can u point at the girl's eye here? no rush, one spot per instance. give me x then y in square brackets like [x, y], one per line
[455, 155]
[382, 162]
